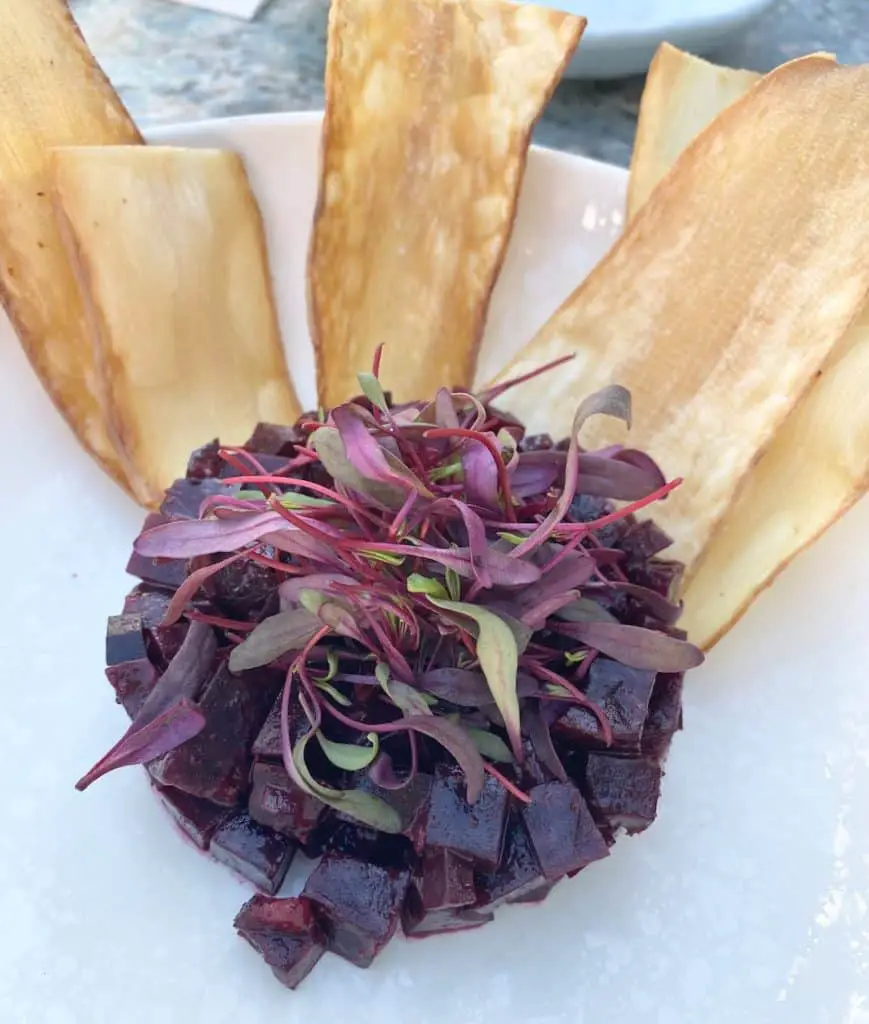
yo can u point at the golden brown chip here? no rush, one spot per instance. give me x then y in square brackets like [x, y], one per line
[429, 108]
[817, 464]
[681, 96]
[169, 248]
[52, 93]
[726, 292]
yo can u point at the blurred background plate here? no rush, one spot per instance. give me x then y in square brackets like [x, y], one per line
[622, 35]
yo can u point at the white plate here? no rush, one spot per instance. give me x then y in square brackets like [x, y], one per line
[745, 902]
[622, 35]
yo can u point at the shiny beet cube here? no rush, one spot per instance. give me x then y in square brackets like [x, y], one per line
[360, 903]
[562, 830]
[267, 745]
[623, 694]
[125, 639]
[259, 854]
[242, 588]
[473, 831]
[355, 840]
[665, 715]
[275, 440]
[163, 642]
[412, 803]
[441, 896]
[205, 462]
[215, 764]
[518, 875]
[623, 792]
[286, 933]
[132, 682]
[278, 802]
[197, 819]
[184, 497]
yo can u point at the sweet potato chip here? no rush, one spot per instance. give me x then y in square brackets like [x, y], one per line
[52, 93]
[817, 465]
[681, 96]
[169, 248]
[429, 108]
[725, 295]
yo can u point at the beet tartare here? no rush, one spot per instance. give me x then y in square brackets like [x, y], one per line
[412, 642]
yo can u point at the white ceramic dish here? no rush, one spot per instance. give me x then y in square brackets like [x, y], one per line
[622, 35]
[745, 902]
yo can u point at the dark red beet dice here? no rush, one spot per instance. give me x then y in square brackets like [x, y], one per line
[125, 639]
[197, 819]
[184, 497]
[363, 843]
[623, 792]
[160, 572]
[274, 440]
[267, 744]
[519, 873]
[286, 933]
[151, 605]
[205, 462]
[242, 587]
[215, 764]
[474, 831]
[623, 694]
[258, 853]
[412, 803]
[562, 830]
[132, 682]
[360, 902]
[441, 895]
[665, 715]
[278, 802]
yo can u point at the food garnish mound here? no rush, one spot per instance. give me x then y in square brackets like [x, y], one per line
[414, 642]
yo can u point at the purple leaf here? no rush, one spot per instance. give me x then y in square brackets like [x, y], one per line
[185, 675]
[454, 739]
[536, 616]
[370, 459]
[541, 741]
[467, 688]
[616, 479]
[481, 475]
[290, 590]
[295, 542]
[273, 637]
[175, 725]
[189, 538]
[478, 546]
[445, 410]
[662, 609]
[533, 476]
[191, 584]
[505, 571]
[637, 647]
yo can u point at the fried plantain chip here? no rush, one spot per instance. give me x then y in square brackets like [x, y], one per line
[52, 93]
[681, 96]
[169, 248]
[725, 295]
[429, 108]
[817, 465]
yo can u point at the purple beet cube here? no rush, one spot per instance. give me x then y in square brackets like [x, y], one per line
[360, 903]
[197, 819]
[355, 840]
[132, 682]
[151, 605]
[184, 498]
[159, 572]
[473, 831]
[623, 694]
[267, 745]
[278, 802]
[623, 792]
[412, 803]
[286, 933]
[441, 890]
[256, 852]
[215, 764]
[205, 462]
[125, 639]
[519, 873]
[562, 830]
[665, 715]
[275, 440]
[242, 588]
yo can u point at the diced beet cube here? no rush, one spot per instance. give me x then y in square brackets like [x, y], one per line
[242, 588]
[360, 902]
[623, 792]
[356, 840]
[197, 819]
[562, 829]
[286, 933]
[215, 764]
[419, 924]
[125, 639]
[205, 462]
[661, 576]
[267, 744]
[159, 572]
[665, 714]
[274, 440]
[440, 896]
[163, 642]
[623, 694]
[643, 540]
[519, 872]
[132, 682]
[184, 498]
[278, 802]
[474, 831]
[412, 803]
[258, 853]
